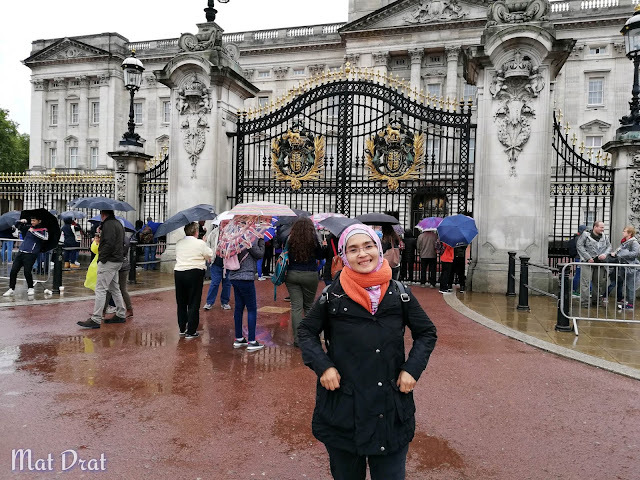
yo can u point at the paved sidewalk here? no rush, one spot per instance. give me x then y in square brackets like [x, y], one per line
[161, 407]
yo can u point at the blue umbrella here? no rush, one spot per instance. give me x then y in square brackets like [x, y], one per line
[9, 219]
[457, 230]
[184, 217]
[125, 223]
[101, 203]
[71, 214]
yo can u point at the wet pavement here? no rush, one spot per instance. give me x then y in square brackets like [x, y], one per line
[156, 406]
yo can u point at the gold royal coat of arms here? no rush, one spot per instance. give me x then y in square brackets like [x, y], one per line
[394, 154]
[297, 156]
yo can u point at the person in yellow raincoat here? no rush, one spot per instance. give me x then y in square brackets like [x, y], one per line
[92, 271]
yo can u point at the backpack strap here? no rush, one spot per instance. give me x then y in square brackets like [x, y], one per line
[404, 299]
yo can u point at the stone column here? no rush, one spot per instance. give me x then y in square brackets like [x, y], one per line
[106, 118]
[452, 54]
[380, 62]
[83, 122]
[514, 71]
[129, 162]
[626, 189]
[39, 115]
[416, 55]
[63, 120]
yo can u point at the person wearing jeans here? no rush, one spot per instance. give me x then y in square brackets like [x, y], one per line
[218, 275]
[7, 245]
[244, 293]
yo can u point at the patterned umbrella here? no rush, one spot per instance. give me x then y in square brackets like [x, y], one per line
[240, 233]
[428, 223]
[265, 209]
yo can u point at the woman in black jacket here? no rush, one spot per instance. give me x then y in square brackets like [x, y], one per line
[364, 402]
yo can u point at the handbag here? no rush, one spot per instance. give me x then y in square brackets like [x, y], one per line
[336, 262]
[280, 270]
[392, 256]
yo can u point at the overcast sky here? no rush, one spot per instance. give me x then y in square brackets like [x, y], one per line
[26, 20]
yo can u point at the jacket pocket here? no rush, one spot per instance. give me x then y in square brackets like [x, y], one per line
[405, 406]
[337, 407]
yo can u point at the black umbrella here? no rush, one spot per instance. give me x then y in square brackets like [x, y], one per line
[184, 217]
[337, 224]
[377, 219]
[101, 203]
[48, 221]
[9, 219]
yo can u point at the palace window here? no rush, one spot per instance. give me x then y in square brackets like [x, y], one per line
[137, 113]
[166, 111]
[53, 115]
[470, 91]
[53, 156]
[73, 157]
[598, 50]
[593, 141]
[73, 113]
[95, 81]
[263, 102]
[596, 91]
[298, 72]
[434, 89]
[93, 153]
[264, 74]
[95, 112]
[75, 83]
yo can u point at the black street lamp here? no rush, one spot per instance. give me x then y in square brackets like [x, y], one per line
[132, 80]
[631, 32]
[211, 12]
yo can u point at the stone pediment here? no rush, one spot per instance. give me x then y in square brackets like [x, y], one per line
[418, 13]
[66, 49]
[595, 126]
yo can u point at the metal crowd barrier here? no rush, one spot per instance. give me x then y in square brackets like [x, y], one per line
[602, 306]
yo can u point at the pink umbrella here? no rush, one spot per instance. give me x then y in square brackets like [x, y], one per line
[240, 233]
[263, 209]
[429, 223]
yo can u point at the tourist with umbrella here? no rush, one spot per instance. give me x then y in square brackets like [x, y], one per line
[241, 245]
[7, 229]
[110, 256]
[40, 233]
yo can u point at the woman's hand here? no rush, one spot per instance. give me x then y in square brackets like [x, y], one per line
[405, 382]
[330, 379]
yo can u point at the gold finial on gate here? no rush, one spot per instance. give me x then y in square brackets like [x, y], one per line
[448, 104]
[590, 152]
[347, 68]
[599, 156]
[581, 148]
[560, 116]
[574, 139]
[567, 127]
[441, 103]
[607, 159]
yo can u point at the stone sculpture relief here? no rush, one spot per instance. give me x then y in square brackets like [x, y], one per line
[515, 84]
[514, 11]
[193, 104]
[634, 192]
[206, 38]
[435, 10]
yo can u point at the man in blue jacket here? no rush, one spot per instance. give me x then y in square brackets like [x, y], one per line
[33, 235]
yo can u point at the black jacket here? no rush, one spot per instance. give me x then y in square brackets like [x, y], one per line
[111, 247]
[367, 415]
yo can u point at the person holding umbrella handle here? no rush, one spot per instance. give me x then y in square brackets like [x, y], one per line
[33, 235]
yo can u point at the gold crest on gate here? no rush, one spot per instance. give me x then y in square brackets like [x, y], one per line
[297, 156]
[394, 154]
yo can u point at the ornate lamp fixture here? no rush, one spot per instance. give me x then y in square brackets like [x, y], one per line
[211, 12]
[132, 80]
[631, 32]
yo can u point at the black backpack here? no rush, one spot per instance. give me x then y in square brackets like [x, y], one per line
[572, 246]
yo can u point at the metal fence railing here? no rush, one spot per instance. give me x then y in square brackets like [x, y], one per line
[609, 294]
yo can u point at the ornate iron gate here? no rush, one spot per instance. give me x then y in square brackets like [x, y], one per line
[581, 190]
[154, 187]
[355, 142]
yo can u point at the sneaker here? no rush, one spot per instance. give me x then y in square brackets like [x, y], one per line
[575, 294]
[192, 335]
[110, 309]
[287, 299]
[130, 313]
[89, 324]
[253, 346]
[183, 332]
[240, 342]
[115, 319]
[31, 291]
[76, 263]
[261, 279]
[462, 290]
[629, 306]
[226, 306]
[207, 306]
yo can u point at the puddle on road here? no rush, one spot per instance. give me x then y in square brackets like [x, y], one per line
[431, 453]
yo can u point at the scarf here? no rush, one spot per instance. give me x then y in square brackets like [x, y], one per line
[366, 289]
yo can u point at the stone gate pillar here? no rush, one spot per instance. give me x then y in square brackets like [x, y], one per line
[514, 69]
[129, 162]
[207, 89]
[625, 156]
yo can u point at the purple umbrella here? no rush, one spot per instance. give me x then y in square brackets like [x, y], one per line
[429, 223]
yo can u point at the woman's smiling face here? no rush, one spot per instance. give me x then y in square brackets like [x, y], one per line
[362, 253]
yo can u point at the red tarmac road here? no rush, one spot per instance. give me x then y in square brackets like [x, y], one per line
[155, 406]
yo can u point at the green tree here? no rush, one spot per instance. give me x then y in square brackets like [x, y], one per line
[14, 146]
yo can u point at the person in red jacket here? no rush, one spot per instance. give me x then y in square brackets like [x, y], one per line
[446, 260]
